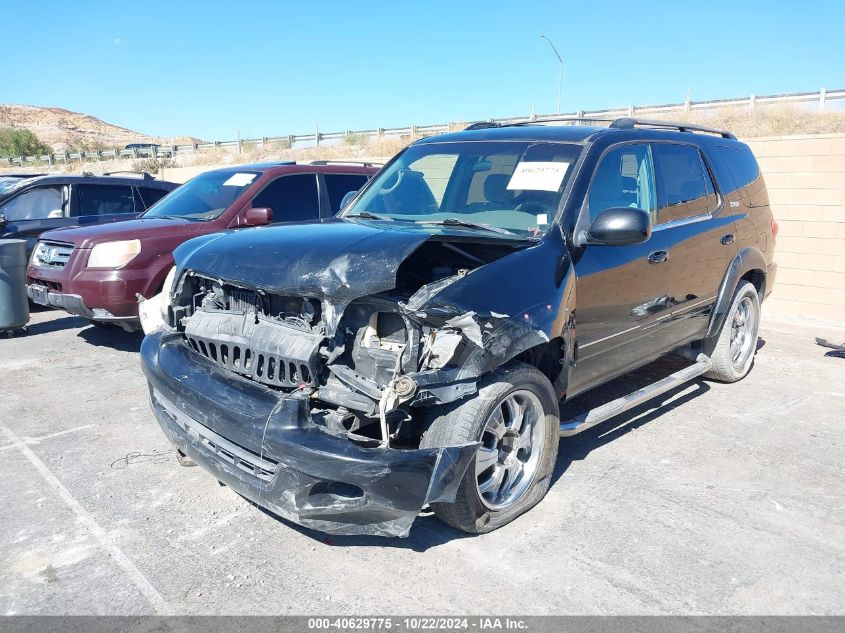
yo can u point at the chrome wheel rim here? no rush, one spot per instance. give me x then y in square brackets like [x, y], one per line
[511, 447]
[743, 327]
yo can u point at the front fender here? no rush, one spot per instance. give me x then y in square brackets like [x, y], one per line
[520, 303]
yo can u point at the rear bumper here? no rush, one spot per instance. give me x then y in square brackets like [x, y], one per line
[771, 274]
[263, 444]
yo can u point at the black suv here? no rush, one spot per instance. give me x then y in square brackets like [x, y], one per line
[415, 350]
[33, 204]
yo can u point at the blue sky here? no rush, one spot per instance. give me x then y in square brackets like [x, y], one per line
[211, 68]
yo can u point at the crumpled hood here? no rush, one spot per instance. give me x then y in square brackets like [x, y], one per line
[339, 260]
[142, 228]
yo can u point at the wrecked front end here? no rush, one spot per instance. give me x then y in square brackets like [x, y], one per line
[311, 401]
[270, 449]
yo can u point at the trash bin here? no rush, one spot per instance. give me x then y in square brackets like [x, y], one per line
[14, 303]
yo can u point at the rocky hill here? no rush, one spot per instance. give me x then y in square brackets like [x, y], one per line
[65, 130]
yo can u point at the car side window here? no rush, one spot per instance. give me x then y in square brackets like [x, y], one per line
[105, 199]
[624, 178]
[291, 198]
[36, 204]
[685, 184]
[338, 185]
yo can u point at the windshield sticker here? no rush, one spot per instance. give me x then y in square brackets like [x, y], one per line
[542, 218]
[538, 176]
[239, 180]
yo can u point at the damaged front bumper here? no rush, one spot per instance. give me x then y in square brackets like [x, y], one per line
[262, 443]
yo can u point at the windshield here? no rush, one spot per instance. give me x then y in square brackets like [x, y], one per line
[7, 183]
[203, 198]
[511, 186]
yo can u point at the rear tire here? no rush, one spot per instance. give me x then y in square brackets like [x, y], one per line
[515, 416]
[732, 350]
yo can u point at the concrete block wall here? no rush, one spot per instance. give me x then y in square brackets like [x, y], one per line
[805, 176]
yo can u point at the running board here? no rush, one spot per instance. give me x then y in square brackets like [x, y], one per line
[635, 398]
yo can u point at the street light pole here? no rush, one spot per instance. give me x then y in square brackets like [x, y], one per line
[560, 76]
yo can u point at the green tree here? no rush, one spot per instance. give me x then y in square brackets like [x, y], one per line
[20, 142]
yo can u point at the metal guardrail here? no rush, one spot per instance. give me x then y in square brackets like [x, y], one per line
[819, 99]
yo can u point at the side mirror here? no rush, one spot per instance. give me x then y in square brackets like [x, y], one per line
[258, 216]
[3, 222]
[620, 226]
[55, 214]
[347, 199]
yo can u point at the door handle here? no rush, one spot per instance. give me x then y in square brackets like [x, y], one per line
[727, 239]
[658, 257]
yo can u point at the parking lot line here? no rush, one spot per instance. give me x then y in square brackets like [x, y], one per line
[140, 581]
[49, 436]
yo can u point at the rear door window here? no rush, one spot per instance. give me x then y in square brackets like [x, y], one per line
[338, 185]
[686, 189]
[292, 198]
[36, 204]
[105, 199]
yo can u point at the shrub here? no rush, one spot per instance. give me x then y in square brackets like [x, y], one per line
[356, 139]
[152, 165]
[21, 142]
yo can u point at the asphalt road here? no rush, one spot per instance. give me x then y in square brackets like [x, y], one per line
[727, 499]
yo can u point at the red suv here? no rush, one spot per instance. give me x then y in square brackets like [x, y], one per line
[98, 272]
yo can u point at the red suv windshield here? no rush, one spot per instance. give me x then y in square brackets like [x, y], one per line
[205, 197]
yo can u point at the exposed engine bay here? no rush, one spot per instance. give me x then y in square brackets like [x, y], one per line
[371, 365]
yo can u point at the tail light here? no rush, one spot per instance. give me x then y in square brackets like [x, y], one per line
[774, 232]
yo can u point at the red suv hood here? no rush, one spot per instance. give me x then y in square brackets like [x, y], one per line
[143, 228]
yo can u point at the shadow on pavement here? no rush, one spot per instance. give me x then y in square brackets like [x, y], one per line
[426, 532]
[577, 447]
[53, 325]
[112, 336]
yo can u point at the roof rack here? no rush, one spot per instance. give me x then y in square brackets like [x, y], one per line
[362, 163]
[623, 123]
[629, 123]
[140, 174]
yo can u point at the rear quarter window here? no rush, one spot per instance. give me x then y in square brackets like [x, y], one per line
[740, 164]
[150, 196]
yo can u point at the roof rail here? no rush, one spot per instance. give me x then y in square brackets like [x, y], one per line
[140, 174]
[482, 125]
[566, 119]
[629, 123]
[362, 163]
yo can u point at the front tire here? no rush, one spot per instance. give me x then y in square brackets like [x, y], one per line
[732, 351]
[515, 416]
